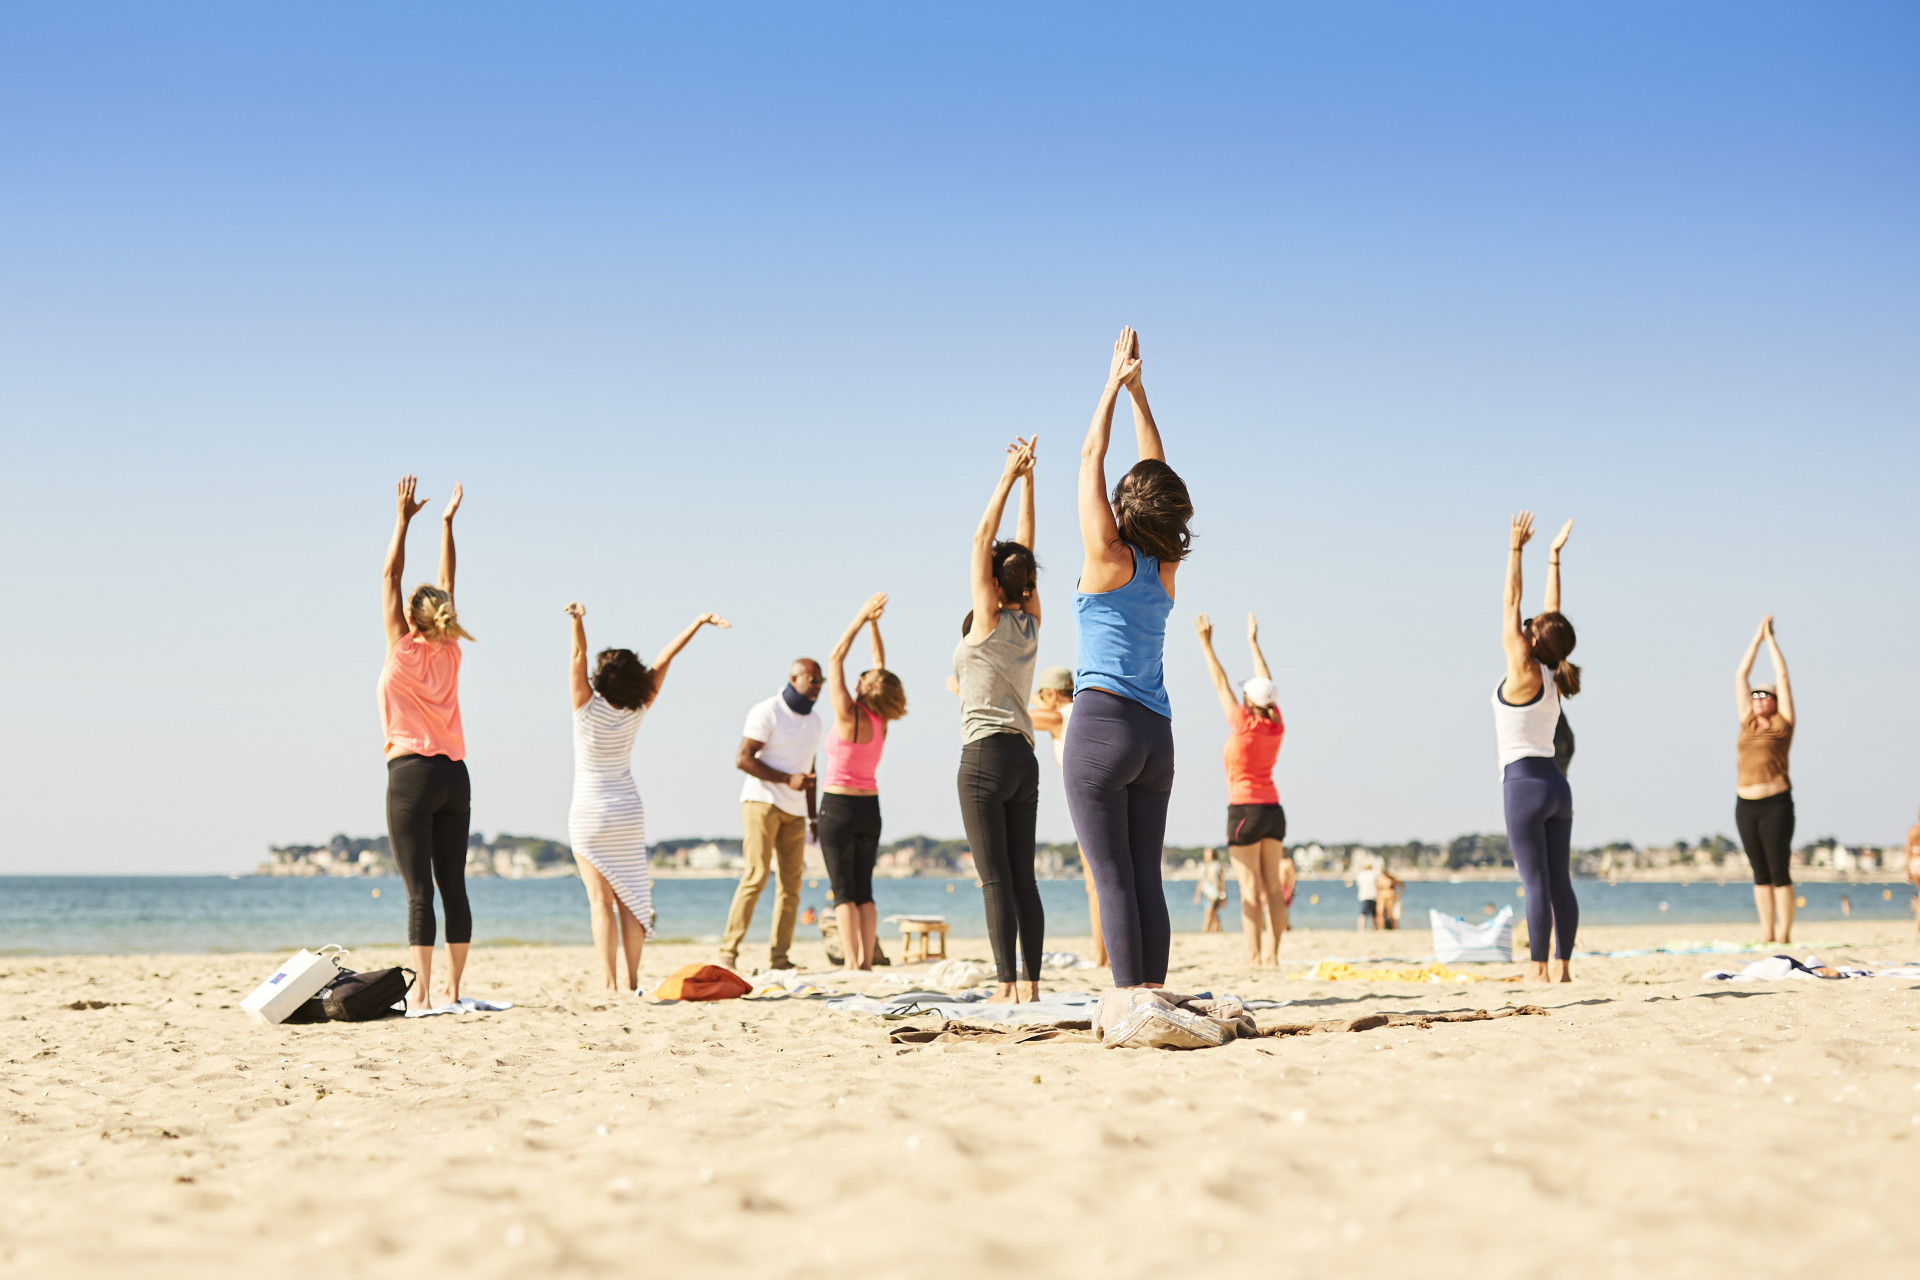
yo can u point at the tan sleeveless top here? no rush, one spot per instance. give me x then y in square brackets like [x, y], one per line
[1763, 752]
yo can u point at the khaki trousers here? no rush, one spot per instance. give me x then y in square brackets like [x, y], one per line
[771, 833]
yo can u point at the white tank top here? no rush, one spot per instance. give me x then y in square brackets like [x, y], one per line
[1060, 738]
[1527, 730]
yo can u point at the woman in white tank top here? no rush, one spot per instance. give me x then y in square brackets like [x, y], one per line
[1534, 791]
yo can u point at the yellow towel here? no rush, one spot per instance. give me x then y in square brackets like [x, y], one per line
[1340, 971]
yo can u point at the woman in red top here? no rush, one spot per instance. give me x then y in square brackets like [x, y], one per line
[1256, 824]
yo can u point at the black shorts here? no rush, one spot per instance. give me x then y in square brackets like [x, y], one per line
[1252, 823]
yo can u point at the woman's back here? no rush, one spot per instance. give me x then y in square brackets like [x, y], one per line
[995, 678]
[420, 698]
[1123, 637]
[1252, 747]
[603, 740]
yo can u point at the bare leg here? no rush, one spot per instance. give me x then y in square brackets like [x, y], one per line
[1562, 971]
[633, 937]
[1763, 903]
[1783, 910]
[869, 934]
[422, 978]
[1275, 905]
[1093, 913]
[854, 955]
[1246, 872]
[456, 965]
[601, 910]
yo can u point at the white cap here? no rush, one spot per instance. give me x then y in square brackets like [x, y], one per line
[1259, 691]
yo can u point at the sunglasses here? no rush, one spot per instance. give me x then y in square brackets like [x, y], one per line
[1759, 693]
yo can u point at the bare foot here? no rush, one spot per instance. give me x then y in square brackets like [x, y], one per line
[1003, 994]
[1564, 969]
[1537, 973]
[1029, 992]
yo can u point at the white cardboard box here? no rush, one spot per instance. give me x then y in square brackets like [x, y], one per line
[292, 985]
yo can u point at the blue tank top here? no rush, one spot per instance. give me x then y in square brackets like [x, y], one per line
[1123, 637]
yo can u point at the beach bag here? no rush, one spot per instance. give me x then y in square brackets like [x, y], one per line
[702, 982]
[1455, 940]
[292, 985]
[1147, 1018]
[362, 997]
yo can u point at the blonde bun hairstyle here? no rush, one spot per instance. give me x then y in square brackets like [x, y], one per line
[431, 611]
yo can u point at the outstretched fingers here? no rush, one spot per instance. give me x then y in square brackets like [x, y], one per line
[715, 620]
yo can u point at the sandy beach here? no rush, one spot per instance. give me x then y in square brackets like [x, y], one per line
[1654, 1124]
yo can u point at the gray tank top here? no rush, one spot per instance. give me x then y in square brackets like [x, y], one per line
[996, 678]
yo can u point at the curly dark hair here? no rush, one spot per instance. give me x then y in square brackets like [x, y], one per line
[1151, 509]
[622, 679]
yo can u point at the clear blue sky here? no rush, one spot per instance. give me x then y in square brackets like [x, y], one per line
[732, 308]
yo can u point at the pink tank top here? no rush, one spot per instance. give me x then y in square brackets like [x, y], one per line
[851, 764]
[420, 698]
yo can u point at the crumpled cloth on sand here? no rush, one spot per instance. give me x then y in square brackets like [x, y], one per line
[1775, 968]
[465, 1004]
[1343, 971]
[1081, 1032]
[970, 1005]
[1149, 1018]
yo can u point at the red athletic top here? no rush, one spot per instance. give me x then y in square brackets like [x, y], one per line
[1252, 747]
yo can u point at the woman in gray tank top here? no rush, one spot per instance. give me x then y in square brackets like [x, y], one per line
[999, 777]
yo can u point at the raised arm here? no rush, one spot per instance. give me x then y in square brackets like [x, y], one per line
[1107, 564]
[1222, 686]
[664, 659]
[1523, 676]
[1025, 526]
[837, 664]
[1743, 677]
[577, 669]
[875, 645]
[393, 602]
[1146, 432]
[985, 616]
[1780, 672]
[1253, 646]
[1552, 602]
[446, 542]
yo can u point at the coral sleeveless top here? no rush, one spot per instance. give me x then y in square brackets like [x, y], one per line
[420, 698]
[852, 764]
[1252, 747]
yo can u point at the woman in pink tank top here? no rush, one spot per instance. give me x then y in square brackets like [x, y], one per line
[850, 803]
[429, 800]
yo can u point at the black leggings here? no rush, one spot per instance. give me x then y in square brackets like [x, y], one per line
[1766, 831]
[1000, 803]
[428, 803]
[1119, 775]
[850, 843]
[1540, 832]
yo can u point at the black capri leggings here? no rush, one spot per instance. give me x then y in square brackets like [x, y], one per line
[429, 801]
[1539, 808]
[850, 843]
[1000, 804]
[1766, 832]
[1119, 775]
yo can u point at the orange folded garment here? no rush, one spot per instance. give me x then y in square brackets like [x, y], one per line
[1338, 971]
[702, 982]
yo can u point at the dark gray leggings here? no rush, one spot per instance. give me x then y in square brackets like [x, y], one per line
[1540, 832]
[1000, 806]
[429, 801]
[1119, 774]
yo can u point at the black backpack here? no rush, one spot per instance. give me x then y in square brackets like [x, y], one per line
[356, 997]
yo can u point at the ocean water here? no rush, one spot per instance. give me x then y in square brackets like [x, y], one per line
[51, 915]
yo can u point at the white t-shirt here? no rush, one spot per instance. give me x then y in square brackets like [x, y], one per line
[791, 740]
[1367, 883]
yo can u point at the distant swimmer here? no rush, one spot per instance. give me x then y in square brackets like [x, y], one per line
[777, 746]
[1119, 757]
[850, 799]
[429, 798]
[1526, 714]
[1256, 824]
[999, 778]
[606, 821]
[1764, 810]
[1052, 710]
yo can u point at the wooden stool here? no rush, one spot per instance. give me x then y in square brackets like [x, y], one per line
[916, 940]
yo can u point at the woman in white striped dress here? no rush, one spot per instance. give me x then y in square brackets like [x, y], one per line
[607, 824]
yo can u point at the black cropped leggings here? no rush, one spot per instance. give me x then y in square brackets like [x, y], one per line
[1766, 832]
[850, 845]
[1540, 832]
[429, 802]
[1119, 774]
[1000, 805]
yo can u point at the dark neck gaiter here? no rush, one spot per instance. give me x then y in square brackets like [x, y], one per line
[801, 705]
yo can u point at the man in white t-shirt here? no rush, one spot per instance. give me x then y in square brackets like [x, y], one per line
[1366, 881]
[777, 749]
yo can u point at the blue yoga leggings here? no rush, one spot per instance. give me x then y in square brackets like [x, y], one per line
[1540, 832]
[1119, 772]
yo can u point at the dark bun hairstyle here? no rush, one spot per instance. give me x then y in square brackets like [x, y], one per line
[1552, 638]
[1151, 509]
[1015, 569]
[622, 679]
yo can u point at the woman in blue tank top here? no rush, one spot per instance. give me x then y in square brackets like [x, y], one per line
[1119, 754]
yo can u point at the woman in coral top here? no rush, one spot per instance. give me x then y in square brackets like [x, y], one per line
[850, 799]
[1256, 824]
[428, 798]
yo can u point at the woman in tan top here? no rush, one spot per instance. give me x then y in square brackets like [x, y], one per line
[1764, 811]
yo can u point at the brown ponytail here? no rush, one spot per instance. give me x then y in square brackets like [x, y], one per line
[1552, 638]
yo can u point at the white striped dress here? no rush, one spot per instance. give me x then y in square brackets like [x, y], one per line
[606, 822]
